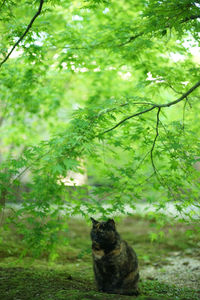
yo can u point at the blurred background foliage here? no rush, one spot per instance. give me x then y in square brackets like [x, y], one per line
[82, 67]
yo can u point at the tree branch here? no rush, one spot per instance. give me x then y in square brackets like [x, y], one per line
[132, 38]
[129, 117]
[159, 176]
[194, 17]
[194, 87]
[2, 4]
[122, 105]
[154, 142]
[185, 95]
[25, 32]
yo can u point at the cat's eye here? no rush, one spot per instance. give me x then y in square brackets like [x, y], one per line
[97, 226]
[103, 226]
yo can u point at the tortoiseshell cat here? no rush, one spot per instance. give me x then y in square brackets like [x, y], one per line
[115, 263]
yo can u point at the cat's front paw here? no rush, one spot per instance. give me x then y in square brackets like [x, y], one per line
[136, 292]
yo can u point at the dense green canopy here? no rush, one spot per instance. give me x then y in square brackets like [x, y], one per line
[113, 85]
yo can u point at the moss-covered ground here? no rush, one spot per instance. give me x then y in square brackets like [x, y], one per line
[70, 275]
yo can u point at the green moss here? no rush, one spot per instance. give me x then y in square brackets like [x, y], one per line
[155, 288]
[23, 283]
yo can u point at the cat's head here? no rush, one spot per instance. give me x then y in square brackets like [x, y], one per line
[104, 234]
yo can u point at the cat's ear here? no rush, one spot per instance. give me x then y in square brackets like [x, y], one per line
[94, 222]
[111, 223]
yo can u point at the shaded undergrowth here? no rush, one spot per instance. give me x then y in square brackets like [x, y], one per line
[70, 275]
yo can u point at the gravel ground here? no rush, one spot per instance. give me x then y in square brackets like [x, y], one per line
[180, 270]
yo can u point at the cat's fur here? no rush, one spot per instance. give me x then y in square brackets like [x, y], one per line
[115, 263]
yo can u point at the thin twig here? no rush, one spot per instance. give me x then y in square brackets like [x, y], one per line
[127, 118]
[194, 87]
[165, 129]
[184, 107]
[154, 143]
[141, 161]
[158, 175]
[29, 166]
[194, 17]
[2, 4]
[25, 32]
[146, 180]
[122, 105]
[173, 89]
[133, 37]
[112, 109]
[190, 105]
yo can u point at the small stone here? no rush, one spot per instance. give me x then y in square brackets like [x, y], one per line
[196, 268]
[150, 278]
[189, 251]
[157, 265]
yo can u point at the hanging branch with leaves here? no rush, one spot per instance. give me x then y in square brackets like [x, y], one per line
[24, 34]
[154, 106]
